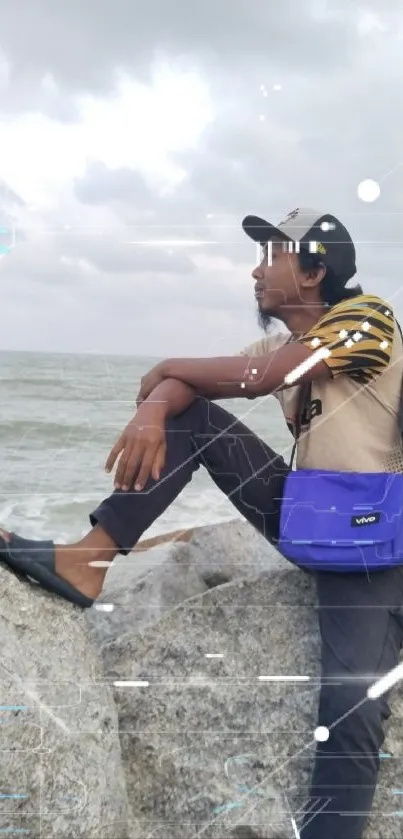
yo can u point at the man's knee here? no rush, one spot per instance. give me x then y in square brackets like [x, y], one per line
[192, 417]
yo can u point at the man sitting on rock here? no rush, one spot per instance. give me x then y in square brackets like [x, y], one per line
[350, 424]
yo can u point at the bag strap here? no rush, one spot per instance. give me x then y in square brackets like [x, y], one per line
[400, 414]
[304, 397]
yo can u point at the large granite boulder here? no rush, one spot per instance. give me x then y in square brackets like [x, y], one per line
[142, 586]
[61, 772]
[217, 692]
[138, 590]
[211, 648]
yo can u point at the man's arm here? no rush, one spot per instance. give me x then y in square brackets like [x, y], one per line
[354, 338]
[175, 396]
[236, 376]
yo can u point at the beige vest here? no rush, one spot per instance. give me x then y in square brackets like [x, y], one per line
[347, 426]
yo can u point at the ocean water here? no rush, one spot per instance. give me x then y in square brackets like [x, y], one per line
[59, 417]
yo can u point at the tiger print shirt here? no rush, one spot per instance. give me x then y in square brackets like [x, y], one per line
[351, 423]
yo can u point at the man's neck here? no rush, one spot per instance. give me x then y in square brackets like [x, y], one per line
[300, 321]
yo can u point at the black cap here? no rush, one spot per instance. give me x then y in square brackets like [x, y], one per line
[320, 233]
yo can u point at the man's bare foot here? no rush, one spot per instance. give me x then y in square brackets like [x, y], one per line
[85, 578]
[85, 564]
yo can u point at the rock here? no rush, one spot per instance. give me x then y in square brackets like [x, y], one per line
[141, 587]
[61, 765]
[183, 535]
[140, 590]
[213, 738]
[228, 551]
[207, 730]
[210, 748]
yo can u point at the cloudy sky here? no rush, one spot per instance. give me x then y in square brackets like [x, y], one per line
[135, 136]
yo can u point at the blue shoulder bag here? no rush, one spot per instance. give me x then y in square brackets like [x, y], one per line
[345, 522]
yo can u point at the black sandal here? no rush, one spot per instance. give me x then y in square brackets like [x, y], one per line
[34, 561]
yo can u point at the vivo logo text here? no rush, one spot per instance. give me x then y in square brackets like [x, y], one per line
[371, 518]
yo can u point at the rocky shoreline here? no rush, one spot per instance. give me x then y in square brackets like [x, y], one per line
[167, 710]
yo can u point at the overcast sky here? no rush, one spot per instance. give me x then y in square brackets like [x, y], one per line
[125, 123]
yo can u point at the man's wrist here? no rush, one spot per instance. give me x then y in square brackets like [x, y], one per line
[155, 407]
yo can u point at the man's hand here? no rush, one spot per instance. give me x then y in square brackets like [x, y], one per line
[150, 381]
[142, 448]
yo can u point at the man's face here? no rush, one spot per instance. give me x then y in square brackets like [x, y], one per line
[278, 282]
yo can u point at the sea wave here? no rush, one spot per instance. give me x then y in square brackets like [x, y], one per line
[64, 517]
[66, 434]
[57, 428]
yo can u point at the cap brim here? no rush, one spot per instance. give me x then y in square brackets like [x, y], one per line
[262, 231]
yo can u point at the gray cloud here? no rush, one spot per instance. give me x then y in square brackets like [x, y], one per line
[101, 185]
[335, 122]
[82, 46]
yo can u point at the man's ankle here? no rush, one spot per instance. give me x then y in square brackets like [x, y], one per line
[91, 559]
